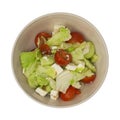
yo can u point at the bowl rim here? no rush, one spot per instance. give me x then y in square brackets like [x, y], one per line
[77, 17]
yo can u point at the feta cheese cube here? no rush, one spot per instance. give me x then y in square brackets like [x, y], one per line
[41, 91]
[54, 94]
[57, 68]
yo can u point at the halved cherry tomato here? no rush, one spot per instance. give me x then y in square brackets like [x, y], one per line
[78, 91]
[45, 49]
[70, 94]
[40, 38]
[88, 79]
[62, 57]
[76, 37]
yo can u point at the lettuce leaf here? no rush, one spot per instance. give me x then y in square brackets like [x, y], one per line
[90, 65]
[32, 80]
[42, 81]
[46, 70]
[77, 54]
[47, 60]
[30, 69]
[94, 58]
[63, 81]
[62, 35]
[69, 46]
[28, 58]
[52, 83]
[90, 50]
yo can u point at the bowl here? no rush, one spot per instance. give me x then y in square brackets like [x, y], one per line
[25, 42]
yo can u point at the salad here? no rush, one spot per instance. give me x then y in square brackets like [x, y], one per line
[61, 62]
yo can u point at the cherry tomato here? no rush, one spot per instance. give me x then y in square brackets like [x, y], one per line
[62, 57]
[41, 38]
[78, 91]
[76, 37]
[45, 49]
[89, 79]
[70, 94]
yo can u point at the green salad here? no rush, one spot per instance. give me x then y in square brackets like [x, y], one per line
[60, 63]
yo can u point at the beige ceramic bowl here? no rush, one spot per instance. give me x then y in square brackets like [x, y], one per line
[25, 42]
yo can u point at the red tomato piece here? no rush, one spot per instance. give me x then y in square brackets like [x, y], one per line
[62, 57]
[45, 49]
[40, 38]
[76, 37]
[70, 94]
[88, 79]
[78, 91]
[45, 34]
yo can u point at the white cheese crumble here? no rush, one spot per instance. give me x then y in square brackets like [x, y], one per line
[54, 94]
[57, 68]
[41, 92]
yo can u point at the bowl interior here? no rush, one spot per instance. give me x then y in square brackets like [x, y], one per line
[25, 42]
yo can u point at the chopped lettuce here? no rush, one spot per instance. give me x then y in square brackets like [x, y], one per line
[29, 61]
[35, 79]
[35, 73]
[38, 54]
[48, 88]
[85, 51]
[62, 35]
[90, 65]
[88, 73]
[80, 67]
[30, 69]
[41, 78]
[77, 76]
[47, 70]
[63, 81]
[32, 81]
[42, 81]
[47, 60]
[69, 46]
[89, 50]
[94, 58]
[77, 55]
[52, 83]
[65, 45]
[28, 58]
[56, 28]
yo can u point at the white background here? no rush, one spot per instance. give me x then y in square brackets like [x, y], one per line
[15, 104]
